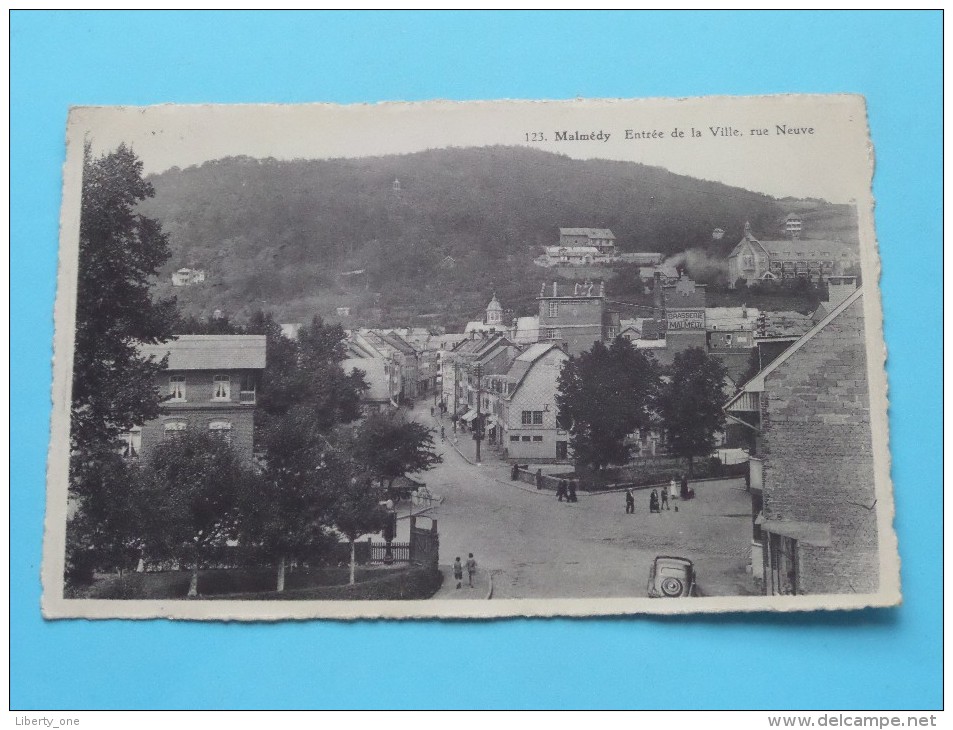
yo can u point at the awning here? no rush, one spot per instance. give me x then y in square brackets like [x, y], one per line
[469, 415]
[811, 533]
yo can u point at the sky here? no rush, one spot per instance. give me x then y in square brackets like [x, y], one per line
[710, 138]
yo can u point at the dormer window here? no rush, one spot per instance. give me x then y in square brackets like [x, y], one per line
[221, 387]
[177, 387]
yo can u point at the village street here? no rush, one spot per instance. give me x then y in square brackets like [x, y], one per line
[537, 547]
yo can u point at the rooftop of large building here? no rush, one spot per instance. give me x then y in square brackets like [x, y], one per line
[210, 352]
[588, 232]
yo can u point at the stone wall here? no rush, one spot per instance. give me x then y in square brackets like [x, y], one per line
[816, 447]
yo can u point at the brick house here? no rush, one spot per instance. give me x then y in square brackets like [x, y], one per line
[528, 406]
[210, 383]
[812, 481]
[576, 315]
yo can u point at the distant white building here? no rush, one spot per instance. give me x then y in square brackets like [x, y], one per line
[186, 276]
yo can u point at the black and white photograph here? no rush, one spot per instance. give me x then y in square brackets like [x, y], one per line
[469, 360]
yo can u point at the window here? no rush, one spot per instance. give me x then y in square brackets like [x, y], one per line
[537, 418]
[554, 309]
[748, 261]
[527, 418]
[553, 334]
[177, 387]
[222, 429]
[526, 438]
[727, 340]
[537, 438]
[174, 429]
[221, 387]
[514, 438]
[132, 443]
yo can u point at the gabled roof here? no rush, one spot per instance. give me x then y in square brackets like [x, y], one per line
[524, 363]
[756, 384]
[808, 247]
[747, 238]
[588, 232]
[210, 352]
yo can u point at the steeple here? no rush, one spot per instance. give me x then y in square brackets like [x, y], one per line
[494, 311]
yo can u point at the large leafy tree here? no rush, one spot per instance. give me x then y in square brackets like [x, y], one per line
[120, 252]
[306, 395]
[390, 446]
[604, 395]
[690, 403]
[198, 480]
[355, 508]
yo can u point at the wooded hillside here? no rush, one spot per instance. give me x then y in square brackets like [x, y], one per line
[277, 235]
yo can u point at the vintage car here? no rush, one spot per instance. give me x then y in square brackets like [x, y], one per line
[671, 577]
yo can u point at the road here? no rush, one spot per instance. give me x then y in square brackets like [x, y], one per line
[538, 547]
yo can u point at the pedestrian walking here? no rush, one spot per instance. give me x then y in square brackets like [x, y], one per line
[539, 478]
[458, 571]
[673, 494]
[653, 502]
[572, 492]
[684, 481]
[561, 490]
[629, 502]
[471, 568]
[664, 496]
[515, 472]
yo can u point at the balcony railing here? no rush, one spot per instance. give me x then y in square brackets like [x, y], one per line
[247, 397]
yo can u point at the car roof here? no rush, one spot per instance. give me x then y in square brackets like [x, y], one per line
[685, 561]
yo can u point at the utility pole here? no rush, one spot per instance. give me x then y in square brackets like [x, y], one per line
[456, 394]
[479, 419]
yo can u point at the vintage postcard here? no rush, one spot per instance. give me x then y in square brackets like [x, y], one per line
[483, 359]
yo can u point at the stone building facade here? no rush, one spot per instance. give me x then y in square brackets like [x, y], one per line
[813, 486]
[575, 315]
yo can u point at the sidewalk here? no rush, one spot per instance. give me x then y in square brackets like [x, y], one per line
[481, 591]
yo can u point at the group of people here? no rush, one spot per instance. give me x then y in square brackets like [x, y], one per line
[660, 498]
[566, 488]
[471, 567]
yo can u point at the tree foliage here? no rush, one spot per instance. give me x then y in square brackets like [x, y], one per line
[120, 251]
[198, 481]
[390, 446]
[690, 404]
[604, 395]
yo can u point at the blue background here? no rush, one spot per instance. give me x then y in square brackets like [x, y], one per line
[872, 659]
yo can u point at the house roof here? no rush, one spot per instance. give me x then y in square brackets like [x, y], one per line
[756, 384]
[374, 374]
[804, 247]
[786, 324]
[677, 300]
[588, 232]
[731, 318]
[525, 361]
[578, 250]
[210, 352]
[808, 248]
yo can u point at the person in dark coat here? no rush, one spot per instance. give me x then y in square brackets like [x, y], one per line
[515, 472]
[664, 503]
[653, 502]
[539, 478]
[629, 502]
[684, 489]
[572, 492]
[561, 490]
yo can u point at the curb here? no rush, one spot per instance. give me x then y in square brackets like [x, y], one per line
[516, 485]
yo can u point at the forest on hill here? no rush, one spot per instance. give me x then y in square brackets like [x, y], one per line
[281, 236]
